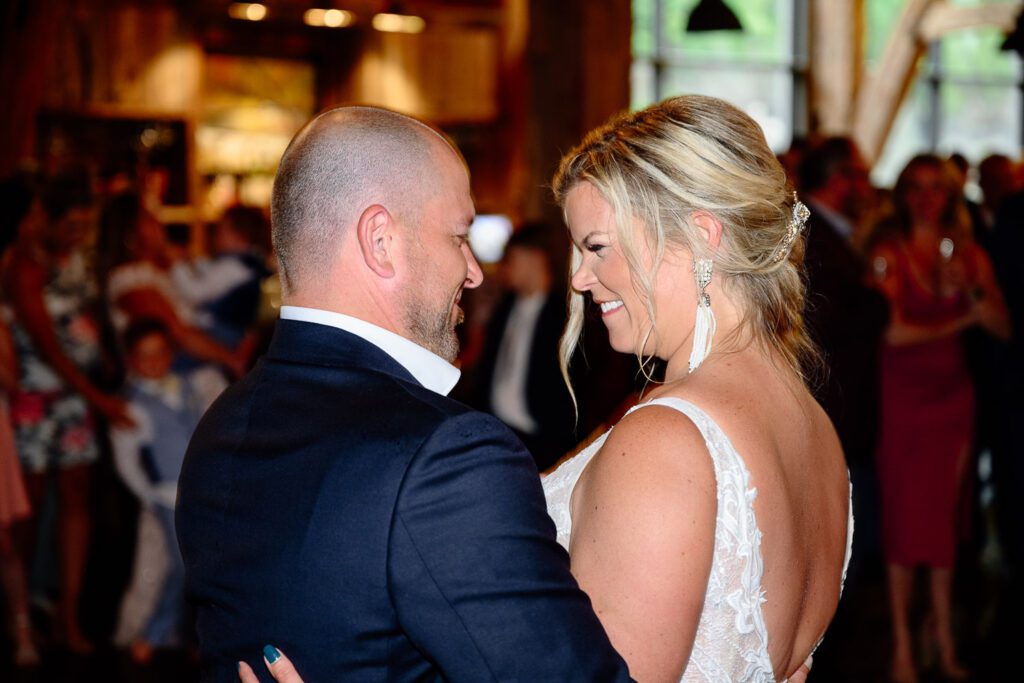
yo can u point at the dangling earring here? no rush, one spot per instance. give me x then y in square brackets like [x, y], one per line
[704, 325]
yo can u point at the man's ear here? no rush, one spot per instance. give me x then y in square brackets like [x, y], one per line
[710, 227]
[374, 232]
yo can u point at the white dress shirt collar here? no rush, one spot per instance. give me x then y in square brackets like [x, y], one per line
[429, 369]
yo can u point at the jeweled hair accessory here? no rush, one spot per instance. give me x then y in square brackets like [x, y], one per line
[796, 225]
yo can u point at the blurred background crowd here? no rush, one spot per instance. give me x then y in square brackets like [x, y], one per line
[137, 276]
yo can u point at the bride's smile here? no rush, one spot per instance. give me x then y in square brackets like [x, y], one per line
[609, 307]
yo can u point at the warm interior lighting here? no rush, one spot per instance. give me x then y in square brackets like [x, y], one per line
[398, 23]
[332, 18]
[248, 11]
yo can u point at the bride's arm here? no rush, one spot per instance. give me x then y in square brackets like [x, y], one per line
[643, 538]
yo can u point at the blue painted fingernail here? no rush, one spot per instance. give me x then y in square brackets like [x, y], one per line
[238, 666]
[271, 653]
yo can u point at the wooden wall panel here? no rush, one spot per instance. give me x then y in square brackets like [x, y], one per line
[837, 37]
[444, 74]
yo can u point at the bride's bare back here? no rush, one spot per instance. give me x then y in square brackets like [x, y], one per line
[643, 515]
[796, 463]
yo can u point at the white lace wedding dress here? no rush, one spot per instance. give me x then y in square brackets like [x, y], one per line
[732, 641]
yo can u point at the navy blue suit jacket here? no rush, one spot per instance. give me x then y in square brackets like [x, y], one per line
[373, 530]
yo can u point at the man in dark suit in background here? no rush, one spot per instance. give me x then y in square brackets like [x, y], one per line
[335, 502]
[844, 315]
[517, 377]
[1007, 248]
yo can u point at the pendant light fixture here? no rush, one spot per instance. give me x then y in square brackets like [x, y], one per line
[712, 15]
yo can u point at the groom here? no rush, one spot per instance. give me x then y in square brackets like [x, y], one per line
[335, 502]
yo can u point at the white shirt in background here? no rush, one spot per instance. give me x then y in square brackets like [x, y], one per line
[508, 388]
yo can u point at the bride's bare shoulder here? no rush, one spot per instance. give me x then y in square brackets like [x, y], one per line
[654, 454]
[651, 433]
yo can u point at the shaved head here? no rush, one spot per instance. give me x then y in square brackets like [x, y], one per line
[340, 163]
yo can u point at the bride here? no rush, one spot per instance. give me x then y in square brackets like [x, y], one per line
[711, 526]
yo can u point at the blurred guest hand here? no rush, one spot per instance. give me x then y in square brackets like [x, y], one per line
[953, 277]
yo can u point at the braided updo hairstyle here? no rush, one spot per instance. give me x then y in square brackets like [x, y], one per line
[691, 153]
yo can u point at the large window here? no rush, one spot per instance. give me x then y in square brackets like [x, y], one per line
[966, 97]
[760, 69]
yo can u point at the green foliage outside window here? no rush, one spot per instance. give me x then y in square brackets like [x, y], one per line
[976, 53]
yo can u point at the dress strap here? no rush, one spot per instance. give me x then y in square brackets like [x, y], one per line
[737, 563]
[699, 418]
[723, 454]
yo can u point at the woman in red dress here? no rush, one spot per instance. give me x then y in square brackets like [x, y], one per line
[938, 283]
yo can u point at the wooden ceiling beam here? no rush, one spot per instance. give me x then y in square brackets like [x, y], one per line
[884, 88]
[837, 31]
[922, 22]
[944, 17]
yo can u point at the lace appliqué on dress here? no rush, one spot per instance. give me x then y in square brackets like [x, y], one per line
[731, 643]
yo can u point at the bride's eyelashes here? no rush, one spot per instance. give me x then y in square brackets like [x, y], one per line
[595, 247]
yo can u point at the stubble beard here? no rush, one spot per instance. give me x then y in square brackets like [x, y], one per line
[427, 319]
[432, 329]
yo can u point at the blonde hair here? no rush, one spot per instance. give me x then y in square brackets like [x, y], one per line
[686, 154]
